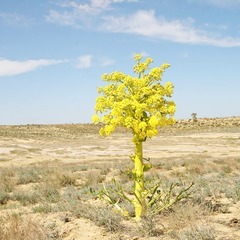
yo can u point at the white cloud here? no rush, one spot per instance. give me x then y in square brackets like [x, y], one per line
[84, 61]
[78, 14]
[145, 23]
[94, 6]
[64, 18]
[142, 22]
[10, 68]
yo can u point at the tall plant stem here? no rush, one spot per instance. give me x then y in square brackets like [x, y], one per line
[140, 201]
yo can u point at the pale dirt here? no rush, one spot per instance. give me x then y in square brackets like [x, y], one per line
[94, 147]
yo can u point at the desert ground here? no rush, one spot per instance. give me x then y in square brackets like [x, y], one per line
[51, 177]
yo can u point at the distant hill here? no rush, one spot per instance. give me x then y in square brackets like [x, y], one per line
[72, 131]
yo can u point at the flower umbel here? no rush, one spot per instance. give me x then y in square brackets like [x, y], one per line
[136, 102]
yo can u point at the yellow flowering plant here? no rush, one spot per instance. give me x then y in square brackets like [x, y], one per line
[141, 104]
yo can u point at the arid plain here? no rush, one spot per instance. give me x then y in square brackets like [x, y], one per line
[50, 177]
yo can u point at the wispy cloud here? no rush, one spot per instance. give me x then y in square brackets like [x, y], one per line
[15, 19]
[96, 14]
[65, 18]
[145, 23]
[84, 61]
[94, 6]
[79, 14]
[10, 67]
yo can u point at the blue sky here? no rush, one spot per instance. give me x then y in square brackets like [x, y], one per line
[53, 53]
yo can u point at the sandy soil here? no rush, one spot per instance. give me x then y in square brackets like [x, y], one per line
[94, 147]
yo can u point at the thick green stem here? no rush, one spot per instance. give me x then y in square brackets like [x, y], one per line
[140, 201]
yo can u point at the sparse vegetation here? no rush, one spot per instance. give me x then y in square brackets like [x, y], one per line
[46, 195]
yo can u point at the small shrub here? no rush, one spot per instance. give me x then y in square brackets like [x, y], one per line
[93, 178]
[235, 193]
[179, 218]
[4, 197]
[7, 183]
[197, 232]
[227, 169]
[101, 216]
[48, 191]
[149, 228]
[25, 197]
[59, 177]
[43, 208]
[72, 193]
[104, 216]
[66, 179]
[26, 176]
[14, 227]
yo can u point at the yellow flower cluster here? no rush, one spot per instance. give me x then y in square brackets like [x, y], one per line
[141, 67]
[137, 57]
[137, 103]
[113, 77]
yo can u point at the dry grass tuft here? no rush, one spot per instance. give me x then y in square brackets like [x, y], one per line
[184, 214]
[16, 227]
[197, 232]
